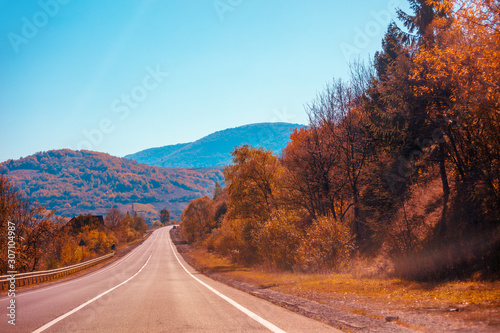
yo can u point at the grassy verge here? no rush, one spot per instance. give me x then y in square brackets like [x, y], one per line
[470, 301]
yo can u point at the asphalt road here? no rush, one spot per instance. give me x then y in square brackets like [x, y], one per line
[150, 290]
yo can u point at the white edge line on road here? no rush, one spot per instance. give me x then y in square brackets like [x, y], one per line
[69, 313]
[249, 313]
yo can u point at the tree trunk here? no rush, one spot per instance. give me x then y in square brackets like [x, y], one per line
[357, 228]
[442, 225]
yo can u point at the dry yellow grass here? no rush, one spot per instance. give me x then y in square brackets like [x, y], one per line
[323, 285]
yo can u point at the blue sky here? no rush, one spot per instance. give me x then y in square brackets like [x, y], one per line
[122, 76]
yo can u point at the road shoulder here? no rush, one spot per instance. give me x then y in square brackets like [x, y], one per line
[353, 313]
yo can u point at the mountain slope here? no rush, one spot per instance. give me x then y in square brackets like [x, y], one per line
[74, 182]
[150, 156]
[215, 149]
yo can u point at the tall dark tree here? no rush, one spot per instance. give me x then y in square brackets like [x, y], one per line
[217, 191]
[164, 216]
[392, 47]
[418, 24]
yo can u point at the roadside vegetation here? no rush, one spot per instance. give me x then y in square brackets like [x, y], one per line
[355, 281]
[421, 306]
[399, 167]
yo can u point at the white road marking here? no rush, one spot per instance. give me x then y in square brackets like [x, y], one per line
[78, 308]
[249, 313]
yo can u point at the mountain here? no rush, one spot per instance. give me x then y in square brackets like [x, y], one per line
[215, 149]
[74, 182]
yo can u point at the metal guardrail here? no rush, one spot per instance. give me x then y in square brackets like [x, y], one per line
[25, 279]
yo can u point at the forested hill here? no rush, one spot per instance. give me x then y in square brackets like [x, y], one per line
[215, 149]
[74, 182]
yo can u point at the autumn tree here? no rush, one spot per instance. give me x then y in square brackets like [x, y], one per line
[127, 226]
[197, 219]
[253, 183]
[38, 233]
[465, 60]
[311, 160]
[335, 118]
[34, 229]
[139, 224]
[164, 216]
[114, 218]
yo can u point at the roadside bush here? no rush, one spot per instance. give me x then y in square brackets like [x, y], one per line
[222, 240]
[235, 239]
[71, 253]
[98, 242]
[327, 244]
[278, 240]
[244, 247]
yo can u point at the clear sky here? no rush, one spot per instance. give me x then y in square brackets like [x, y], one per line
[122, 76]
